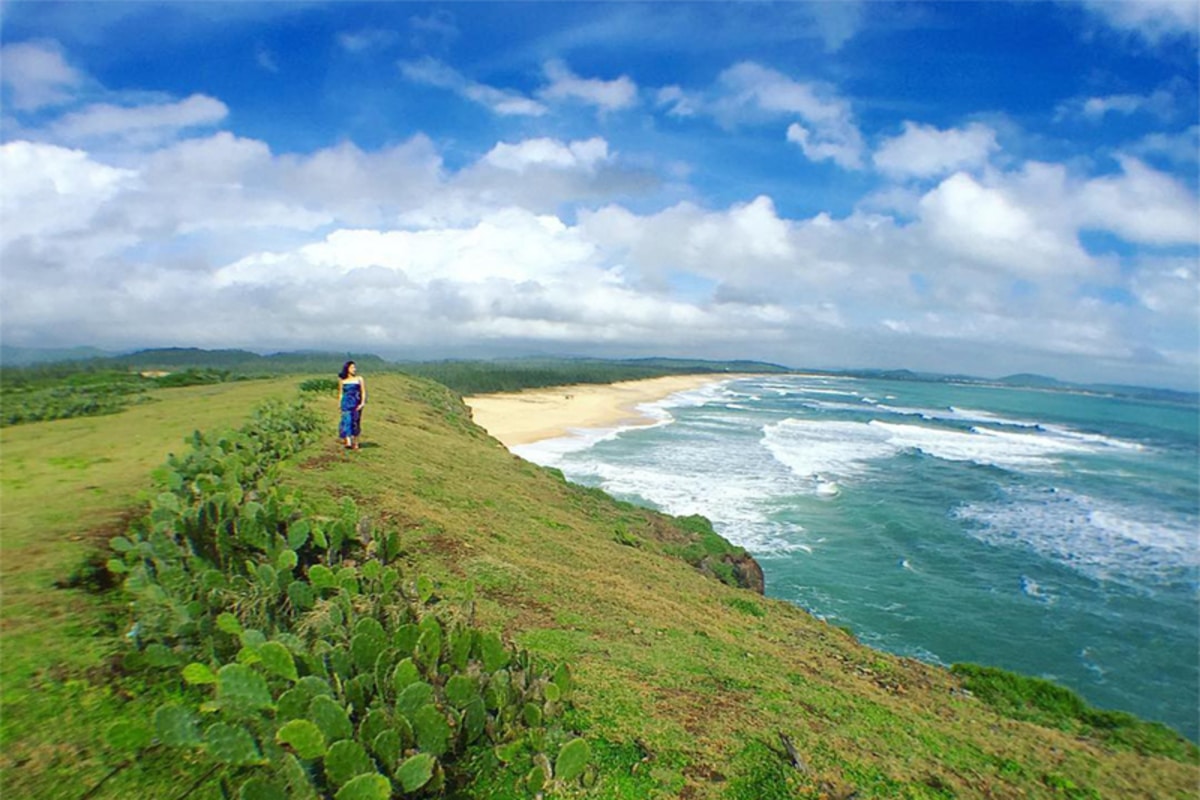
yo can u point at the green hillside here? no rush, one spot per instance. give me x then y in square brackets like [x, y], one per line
[684, 684]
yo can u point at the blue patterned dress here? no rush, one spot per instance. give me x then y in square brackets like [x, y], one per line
[351, 422]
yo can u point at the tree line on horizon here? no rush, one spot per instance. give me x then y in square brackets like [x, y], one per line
[107, 385]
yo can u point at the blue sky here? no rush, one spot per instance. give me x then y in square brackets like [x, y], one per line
[980, 187]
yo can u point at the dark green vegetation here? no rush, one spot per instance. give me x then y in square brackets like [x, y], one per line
[320, 670]
[486, 377]
[1035, 700]
[61, 390]
[681, 685]
[36, 394]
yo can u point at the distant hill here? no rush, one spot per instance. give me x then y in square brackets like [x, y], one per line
[242, 361]
[1029, 379]
[12, 356]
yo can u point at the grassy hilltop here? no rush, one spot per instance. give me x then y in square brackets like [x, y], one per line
[684, 684]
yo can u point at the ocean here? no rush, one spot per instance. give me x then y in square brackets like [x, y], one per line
[1051, 533]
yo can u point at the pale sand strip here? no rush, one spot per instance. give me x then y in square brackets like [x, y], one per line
[536, 414]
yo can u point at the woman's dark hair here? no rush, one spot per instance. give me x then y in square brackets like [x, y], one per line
[345, 373]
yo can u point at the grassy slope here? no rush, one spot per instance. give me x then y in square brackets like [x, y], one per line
[65, 488]
[685, 683]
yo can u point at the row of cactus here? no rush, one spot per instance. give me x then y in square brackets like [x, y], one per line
[307, 673]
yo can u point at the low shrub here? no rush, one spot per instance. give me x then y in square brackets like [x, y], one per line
[1040, 701]
[312, 666]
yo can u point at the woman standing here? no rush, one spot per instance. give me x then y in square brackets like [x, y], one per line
[353, 398]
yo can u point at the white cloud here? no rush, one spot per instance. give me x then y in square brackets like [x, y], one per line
[1182, 148]
[366, 40]
[508, 245]
[612, 95]
[838, 22]
[266, 59]
[439, 26]
[746, 239]
[1160, 103]
[51, 190]
[432, 72]
[1152, 19]
[144, 124]
[988, 225]
[37, 75]
[216, 240]
[923, 151]
[1141, 205]
[1169, 287]
[826, 130]
[678, 102]
[549, 153]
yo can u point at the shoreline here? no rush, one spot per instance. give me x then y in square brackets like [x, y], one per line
[553, 412]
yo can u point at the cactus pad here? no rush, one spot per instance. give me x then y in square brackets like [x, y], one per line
[304, 737]
[277, 660]
[231, 744]
[432, 730]
[326, 714]
[176, 726]
[572, 760]
[372, 786]
[241, 691]
[346, 760]
[416, 771]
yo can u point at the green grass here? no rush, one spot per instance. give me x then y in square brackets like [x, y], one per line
[684, 683]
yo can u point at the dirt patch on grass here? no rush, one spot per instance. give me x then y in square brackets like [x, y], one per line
[451, 549]
[334, 453]
[700, 712]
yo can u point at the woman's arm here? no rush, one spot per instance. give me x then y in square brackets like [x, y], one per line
[362, 395]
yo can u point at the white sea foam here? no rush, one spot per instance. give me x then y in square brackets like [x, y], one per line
[977, 415]
[550, 452]
[1031, 588]
[824, 391]
[811, 447]
[739, 505]
[1097, 537]
[826, 405]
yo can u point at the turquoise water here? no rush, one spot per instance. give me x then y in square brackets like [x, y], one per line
[1051, 533]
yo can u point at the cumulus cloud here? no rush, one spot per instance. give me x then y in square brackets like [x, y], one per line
[923, 151]
[496, 270]
[988, 225]
[37, 75]
[213, 239]
[51, 190]
[611, 95]
[431, 72]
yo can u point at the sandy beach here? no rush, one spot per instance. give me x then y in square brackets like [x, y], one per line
[537, 414]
